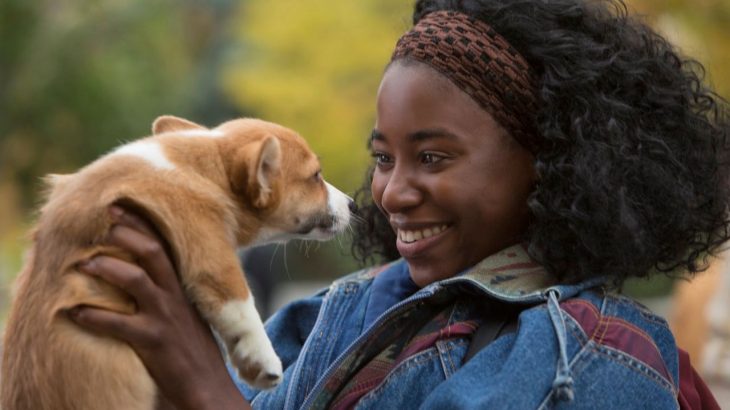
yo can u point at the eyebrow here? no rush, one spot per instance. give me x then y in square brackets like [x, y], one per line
[418, 136]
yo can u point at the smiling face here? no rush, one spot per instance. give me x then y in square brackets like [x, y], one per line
[452, 182]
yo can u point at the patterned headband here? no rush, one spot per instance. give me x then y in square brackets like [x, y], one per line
[482, 64]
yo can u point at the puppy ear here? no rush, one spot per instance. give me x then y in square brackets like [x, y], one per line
[256, 169]
[167, 123]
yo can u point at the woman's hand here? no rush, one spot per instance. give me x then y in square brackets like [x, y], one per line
[166, 332]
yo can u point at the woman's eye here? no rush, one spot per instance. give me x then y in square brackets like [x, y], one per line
[430, 158]
[317, 176]
[381, 158]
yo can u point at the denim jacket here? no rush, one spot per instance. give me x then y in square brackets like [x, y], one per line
[576, 346]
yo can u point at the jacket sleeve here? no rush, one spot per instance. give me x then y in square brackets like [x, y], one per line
[287, 329]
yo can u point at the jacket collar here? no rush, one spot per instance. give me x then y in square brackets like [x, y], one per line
[512, 276]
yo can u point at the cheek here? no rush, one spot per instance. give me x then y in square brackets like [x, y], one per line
[504, 209]
[377, 187]
[313, 198]
[443, 187]
[300, 202]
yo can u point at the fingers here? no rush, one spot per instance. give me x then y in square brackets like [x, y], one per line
[116, 325]
[124, 275]
[147, 249]
[132, 220]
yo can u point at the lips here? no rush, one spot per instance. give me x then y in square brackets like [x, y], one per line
[414, 242]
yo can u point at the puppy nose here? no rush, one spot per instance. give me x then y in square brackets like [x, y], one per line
[352, 206]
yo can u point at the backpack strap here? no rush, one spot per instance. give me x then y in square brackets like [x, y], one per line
[499, 320]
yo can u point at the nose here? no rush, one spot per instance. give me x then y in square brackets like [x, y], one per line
[400, 192]
[352, 206]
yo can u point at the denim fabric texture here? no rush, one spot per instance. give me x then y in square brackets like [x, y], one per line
[576, 346]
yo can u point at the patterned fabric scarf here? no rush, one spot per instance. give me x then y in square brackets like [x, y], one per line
[411, 331]
[481, 63]
[399, 349]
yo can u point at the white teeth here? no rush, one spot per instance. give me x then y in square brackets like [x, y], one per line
[413, 236]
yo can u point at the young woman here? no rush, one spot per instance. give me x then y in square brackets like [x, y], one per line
[529, 156]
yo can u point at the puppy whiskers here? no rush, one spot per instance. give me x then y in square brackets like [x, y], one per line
[273, 255]
[286, 264]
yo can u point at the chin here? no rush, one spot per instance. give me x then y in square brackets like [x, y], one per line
[424, 274]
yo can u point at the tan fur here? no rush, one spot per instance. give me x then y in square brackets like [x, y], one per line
[224, 191]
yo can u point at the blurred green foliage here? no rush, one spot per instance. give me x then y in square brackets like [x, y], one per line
[79, 77]
[315, 65]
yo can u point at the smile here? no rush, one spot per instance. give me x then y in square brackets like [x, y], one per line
[410, 236]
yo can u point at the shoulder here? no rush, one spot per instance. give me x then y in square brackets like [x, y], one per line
[302, 314]
[363, 276]
[311, 304]
[608, 351]
[621, 323]
[625, 336]
[613, 347]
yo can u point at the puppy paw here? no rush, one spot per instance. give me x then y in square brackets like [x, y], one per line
[257, 363]
[249, 348]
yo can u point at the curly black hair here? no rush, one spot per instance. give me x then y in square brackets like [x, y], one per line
[632, 167]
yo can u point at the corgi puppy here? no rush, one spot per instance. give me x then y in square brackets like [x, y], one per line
[207, 191]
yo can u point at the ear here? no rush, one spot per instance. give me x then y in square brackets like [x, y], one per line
[257, 167]
[167, 123]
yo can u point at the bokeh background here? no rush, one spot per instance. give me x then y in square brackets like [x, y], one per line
[79, 77]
